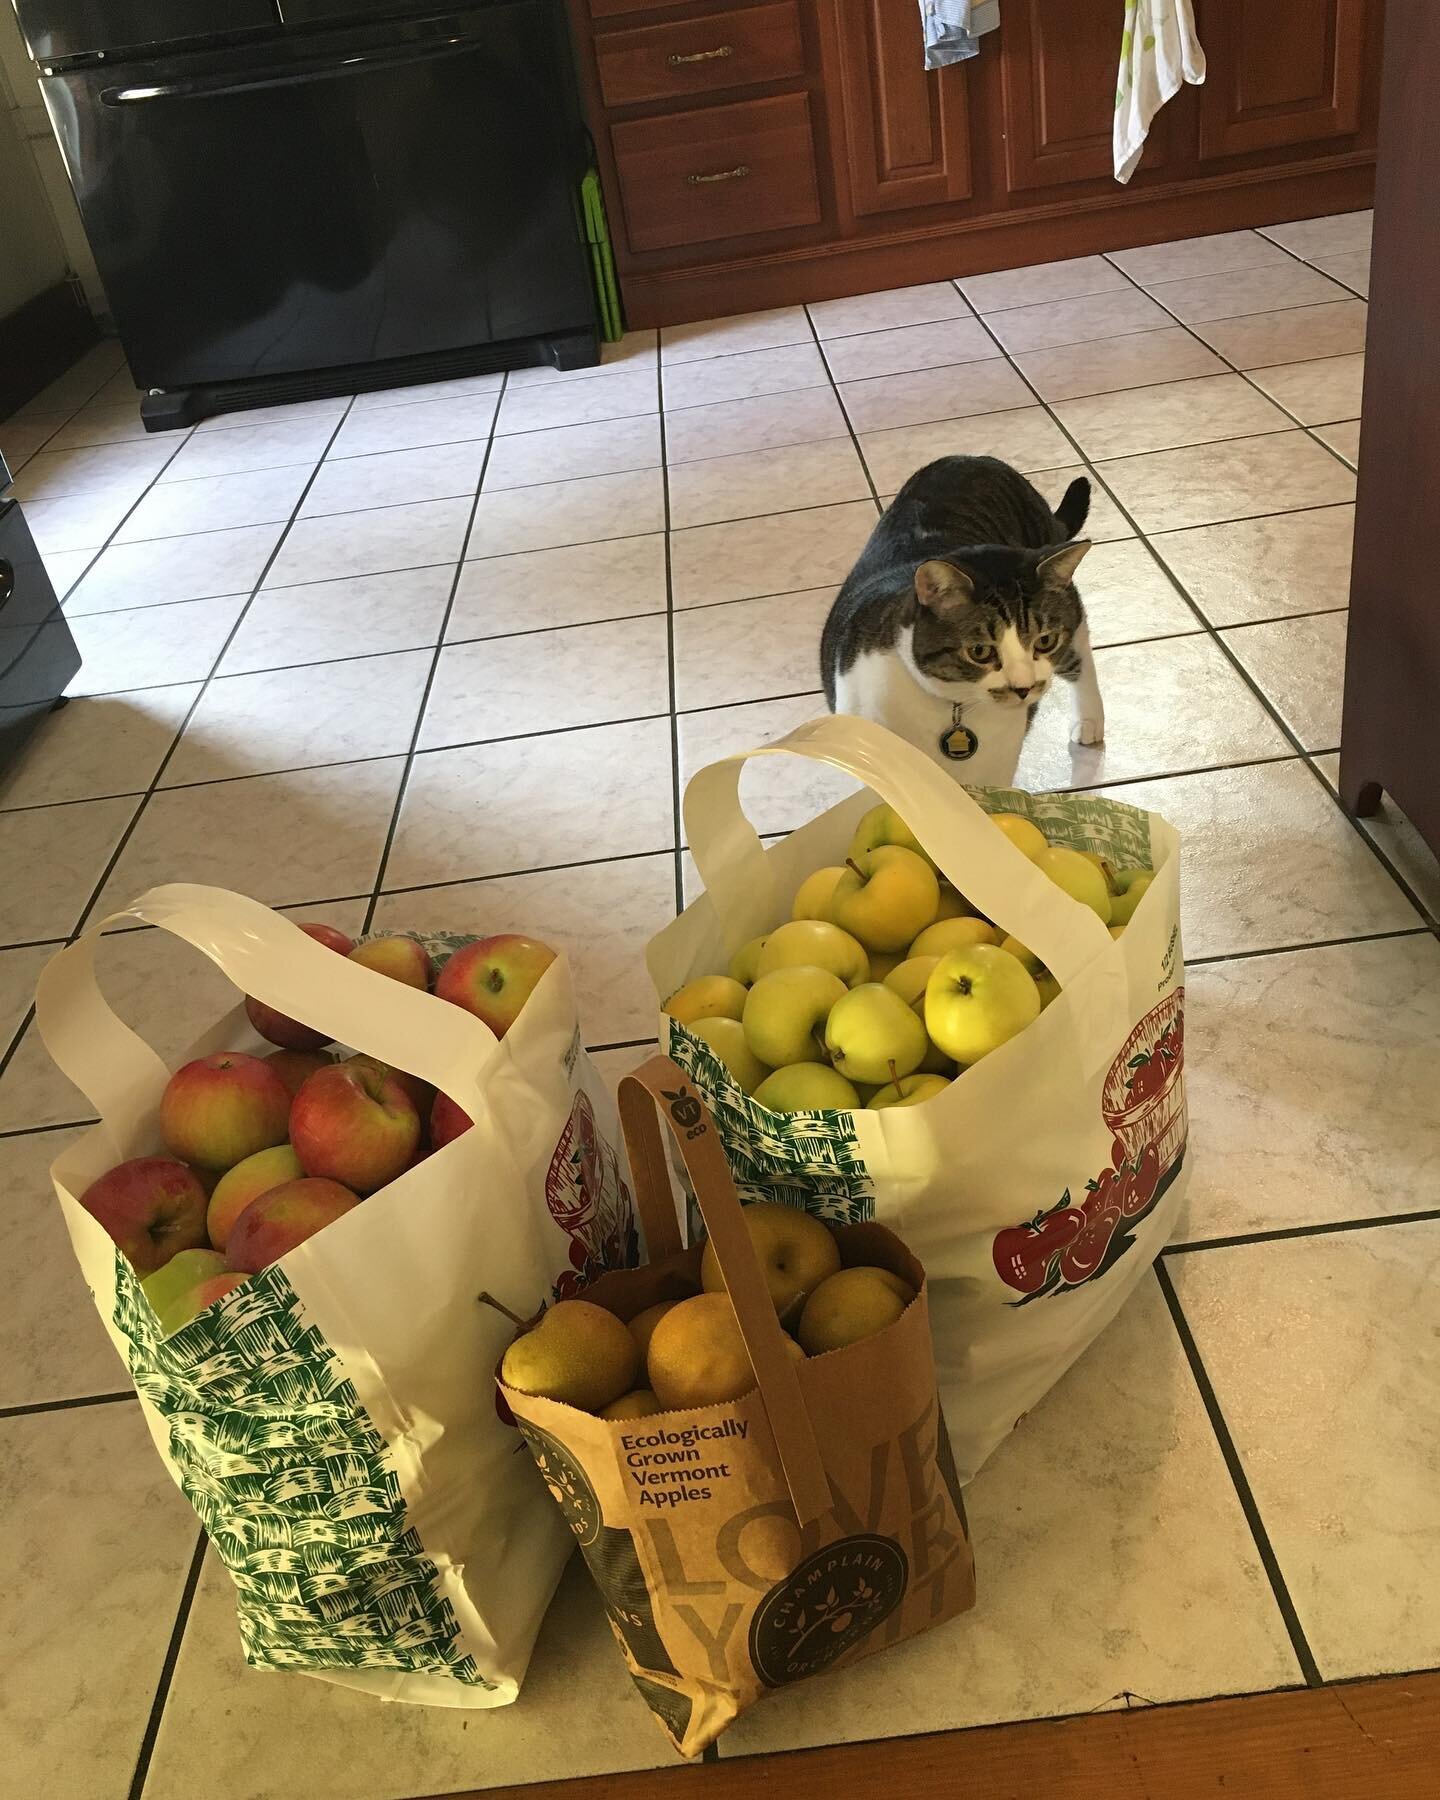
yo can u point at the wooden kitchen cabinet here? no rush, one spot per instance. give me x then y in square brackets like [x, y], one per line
[862, 170]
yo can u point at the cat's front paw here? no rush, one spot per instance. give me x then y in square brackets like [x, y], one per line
[1089, 732]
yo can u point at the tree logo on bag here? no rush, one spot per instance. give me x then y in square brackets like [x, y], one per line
[567, 1482]
[588, 1199]
[1142, 1100]
[823, 1608]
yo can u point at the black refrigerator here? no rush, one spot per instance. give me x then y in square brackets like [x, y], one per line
[289, 198]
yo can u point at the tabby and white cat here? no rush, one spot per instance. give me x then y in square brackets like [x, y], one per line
[958, 615]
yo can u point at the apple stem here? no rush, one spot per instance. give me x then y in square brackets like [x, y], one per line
[850, 863]
[894, 1078]
[488, 1299]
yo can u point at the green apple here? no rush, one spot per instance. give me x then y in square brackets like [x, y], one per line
[711, 997]
[1027, 838]
[953, 934]
[726, 1037]
[1122, 907]
[1125, 879]
[911, 1090]
[1078, 877]
[813, 896]
[883, 825]
[806, 1087]
[977, 999]
[784, 1011]
[167, 1288]
[742, 963]
[814, 944]
[887, 896]
[872, 1035]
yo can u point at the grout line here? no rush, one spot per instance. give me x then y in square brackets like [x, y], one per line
[53, 1406]
[1268, 1559]
[677, 830]
[167, 1668]
[423, 887]
[1283, 1234]
[845, 410]
[1367, 937]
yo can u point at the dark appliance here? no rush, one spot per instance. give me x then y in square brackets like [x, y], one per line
[289, 198]
[38, 657]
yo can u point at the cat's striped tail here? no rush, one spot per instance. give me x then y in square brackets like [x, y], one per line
[1074, 507]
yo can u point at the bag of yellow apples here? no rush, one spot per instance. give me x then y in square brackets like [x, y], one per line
[957, 1013]
[751, 1514]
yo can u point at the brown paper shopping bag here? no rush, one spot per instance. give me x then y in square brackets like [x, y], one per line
[744, 1546]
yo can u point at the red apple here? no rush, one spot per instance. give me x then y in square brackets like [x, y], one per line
[355, 1125]
[447, 1121]
[271, 1226]
[277, 1027]
[420, 1092]
[220, 1109]
[494, 977]
[247, 1181]
[295, 1067]
[401, 958]
[152, 1206]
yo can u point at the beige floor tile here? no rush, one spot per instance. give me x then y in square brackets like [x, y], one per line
[285, 839]
[1128, 598]
[1308, 1076]
[19, 971]
[601, 916]
[170, 569]
[1209, 483]
[1169, 415]
[1109, 364]
[748, 486]
[883, 312]
[333, 408]
[614, 1065]
[1175, 1605]
[271, 1736]
[1352, 268]
[1261, 339]
[1344, 1472]
[408, 427]
[215, 502]
[636, 350]
[63, 851]
[1077, 321]
[547, 680]
[370, 543]
[1155, 722]
[65, 567]
[250, 447]
[1255, 569]
[1335, 235]
[1186, 258]
[1343, 438]
[1105, 522]
[783, 553]
[111, 469]
[394, 478]
[925, 395]
[364, 615]
[766, 422]
[21, 438]
[571, 797]
[1269, 861]
[110, 744]
[81, 522]
[99, 422]
[97, 1546]
[568, 512]
[1318, 392]
[1393, 833]
[778, 793]
[1300, 666]
[572, 452]
[908, 347]
[743, 376]
[729, 337]
[152, 645]
[412, 393]
[1242, 291]
[1069, 280]
[749, 649]
[571, 585]
[578, 402]
[1026, 438]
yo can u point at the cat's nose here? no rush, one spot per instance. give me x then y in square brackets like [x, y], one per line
[1019, 692]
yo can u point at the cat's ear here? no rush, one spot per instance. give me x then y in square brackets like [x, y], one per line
[1058, 568]
[943, 589]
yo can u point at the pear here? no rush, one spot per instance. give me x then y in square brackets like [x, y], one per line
[697, 1355]
[852, 1304]
[578, 1354]
[642, 1326]
[639, 1403]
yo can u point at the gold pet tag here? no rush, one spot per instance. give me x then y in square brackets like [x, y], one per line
[959, 742]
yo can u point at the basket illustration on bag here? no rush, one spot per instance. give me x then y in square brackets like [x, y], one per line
[1143, 1099]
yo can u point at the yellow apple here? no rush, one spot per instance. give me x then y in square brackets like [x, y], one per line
[910, 977]
[1027, 838]
[814, 944]
[953, 904]
[1032, 963]
[742, 963]
[1049, 989]
[953, 934]
[711, 997]
[977, 999]
[910, 1090]
[807, 1087]
[872, 1035]
[852, 1304]
[883, 963]
[813, 896]
[726, 1037]
[1125, 879]
[887, 896]
[795, 1250]
[1122, 907]
[1117, 931]
[883, 825]
[1094, 856]
[784, 1011]
[1078, 877]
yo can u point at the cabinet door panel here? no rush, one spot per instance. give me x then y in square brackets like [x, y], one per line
[906, 128]
[1287, 72]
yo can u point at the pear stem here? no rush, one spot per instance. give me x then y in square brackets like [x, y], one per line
[488, 1299]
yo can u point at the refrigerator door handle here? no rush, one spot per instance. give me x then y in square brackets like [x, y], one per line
[295, 75]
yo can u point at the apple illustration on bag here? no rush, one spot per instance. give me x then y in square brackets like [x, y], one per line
[1023, 1253]
[1080, 1259]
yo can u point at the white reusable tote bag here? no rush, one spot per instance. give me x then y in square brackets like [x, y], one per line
[1039, 1187]
[333, 1421]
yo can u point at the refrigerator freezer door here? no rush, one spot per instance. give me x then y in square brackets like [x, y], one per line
[56, 29]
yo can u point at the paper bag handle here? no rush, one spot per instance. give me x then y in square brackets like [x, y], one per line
[688, 1117]
[270, 957]
[979, 860]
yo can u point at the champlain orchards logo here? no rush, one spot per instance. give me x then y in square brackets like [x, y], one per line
[836, 1597]
[1143, 1102]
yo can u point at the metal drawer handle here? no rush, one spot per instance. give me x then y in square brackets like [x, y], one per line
[677, 61]
[719, 175]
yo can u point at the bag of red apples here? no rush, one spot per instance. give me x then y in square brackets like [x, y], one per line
[744, 1437]
[287, 1240]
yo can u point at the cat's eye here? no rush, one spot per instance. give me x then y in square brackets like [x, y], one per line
[1046, 642]
[981, 653]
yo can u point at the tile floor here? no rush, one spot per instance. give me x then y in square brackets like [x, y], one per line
[446, 658]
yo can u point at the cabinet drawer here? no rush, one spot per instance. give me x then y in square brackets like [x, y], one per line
[725, 171]
[723, 50]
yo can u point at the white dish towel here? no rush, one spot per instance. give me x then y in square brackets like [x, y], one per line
[1158, 50]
